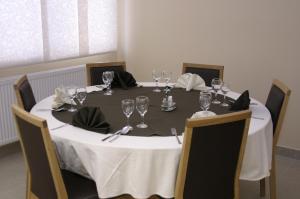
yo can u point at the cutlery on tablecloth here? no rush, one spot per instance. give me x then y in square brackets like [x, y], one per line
[124, 131]
[62, 108]
[116, 133]
[174, 132]
[58, 127]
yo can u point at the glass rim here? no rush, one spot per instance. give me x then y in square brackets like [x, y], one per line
[127, 100]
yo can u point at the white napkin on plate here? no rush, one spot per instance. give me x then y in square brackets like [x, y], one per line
[60, 97]
[90, 89]
[190, 81]
[201, 114]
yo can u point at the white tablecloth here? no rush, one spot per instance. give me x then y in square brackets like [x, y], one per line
[143, 166]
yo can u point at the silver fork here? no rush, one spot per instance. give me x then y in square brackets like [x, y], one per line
[116, 133]
[174, 132]
[58, 127]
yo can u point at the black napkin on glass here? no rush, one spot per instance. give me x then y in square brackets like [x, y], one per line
[92, 119]
[123, 79]
[242, 103]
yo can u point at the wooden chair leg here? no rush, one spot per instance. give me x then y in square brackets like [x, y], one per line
[28, 187]
[272, 180]
[262, 189]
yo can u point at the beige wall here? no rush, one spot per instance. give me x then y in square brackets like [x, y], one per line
[255, 40]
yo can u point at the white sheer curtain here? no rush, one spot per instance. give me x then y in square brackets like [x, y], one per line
[34, 31]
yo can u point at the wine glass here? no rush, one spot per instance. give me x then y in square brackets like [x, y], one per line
[167, 76]
[216, 84]
[142, 103]
[81, 95]
[71, 93]
[128, 108]
[205, 101]
[225, 89]
[156, 77]
[107, 78]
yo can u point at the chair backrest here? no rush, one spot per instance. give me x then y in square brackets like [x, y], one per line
[211, 158]
[94, 71]
[207, 72]
[24, 94]
[277, 103]
[41, 161]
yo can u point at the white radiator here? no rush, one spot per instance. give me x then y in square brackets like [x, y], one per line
[43, 85]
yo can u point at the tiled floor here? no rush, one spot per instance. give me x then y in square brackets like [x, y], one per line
[12, 177]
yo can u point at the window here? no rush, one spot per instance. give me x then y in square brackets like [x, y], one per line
[34, 31]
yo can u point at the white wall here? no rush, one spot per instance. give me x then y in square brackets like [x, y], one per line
[255, 40]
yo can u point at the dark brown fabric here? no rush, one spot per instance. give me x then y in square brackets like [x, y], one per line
[274, 104]
[92, 119]
[79, 187]
[96, 73]
[27, 96]
[242, 102]
[213, 160]
[123, 79]
[159, 122]
[206, 73]
[42, 184]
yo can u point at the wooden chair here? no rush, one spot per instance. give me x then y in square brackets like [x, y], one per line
[94, 71]
[212, 155]
[276, 103]
[24, 94]
[46, 180]
[207, 72]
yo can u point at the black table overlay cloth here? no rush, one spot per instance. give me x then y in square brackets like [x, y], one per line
[159, 122]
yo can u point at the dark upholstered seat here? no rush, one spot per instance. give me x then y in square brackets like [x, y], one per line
[94, 71]
[79, 187]
[276, 103]
[207, 72]
[211, 157]
[46, 180]
[24, 94]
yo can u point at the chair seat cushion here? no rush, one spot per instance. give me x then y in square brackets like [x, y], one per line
[79, 187]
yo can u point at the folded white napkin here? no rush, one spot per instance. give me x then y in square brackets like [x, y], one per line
[190, 81]
[90, 89]
[60, 97]
[201, 114]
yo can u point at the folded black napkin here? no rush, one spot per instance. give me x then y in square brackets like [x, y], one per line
[242, 103]
[92, 119]
[123, 79]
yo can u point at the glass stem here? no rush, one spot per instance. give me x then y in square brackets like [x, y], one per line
[127, 121]
[224, 98]
[156, 82]
[143, 119]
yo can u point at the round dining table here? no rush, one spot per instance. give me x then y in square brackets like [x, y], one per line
[145, 162]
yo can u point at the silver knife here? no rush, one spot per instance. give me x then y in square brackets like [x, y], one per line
[174, 132]
[52, 129]
[117, 132]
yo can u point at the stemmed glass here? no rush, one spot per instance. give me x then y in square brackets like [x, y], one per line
[81, 95]
[225, 89]
[71, 93]
[142, 103]
[107, 78]
[128, 108]
[216, 84]
[205, 101]
[167, 76]
[156, 77]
